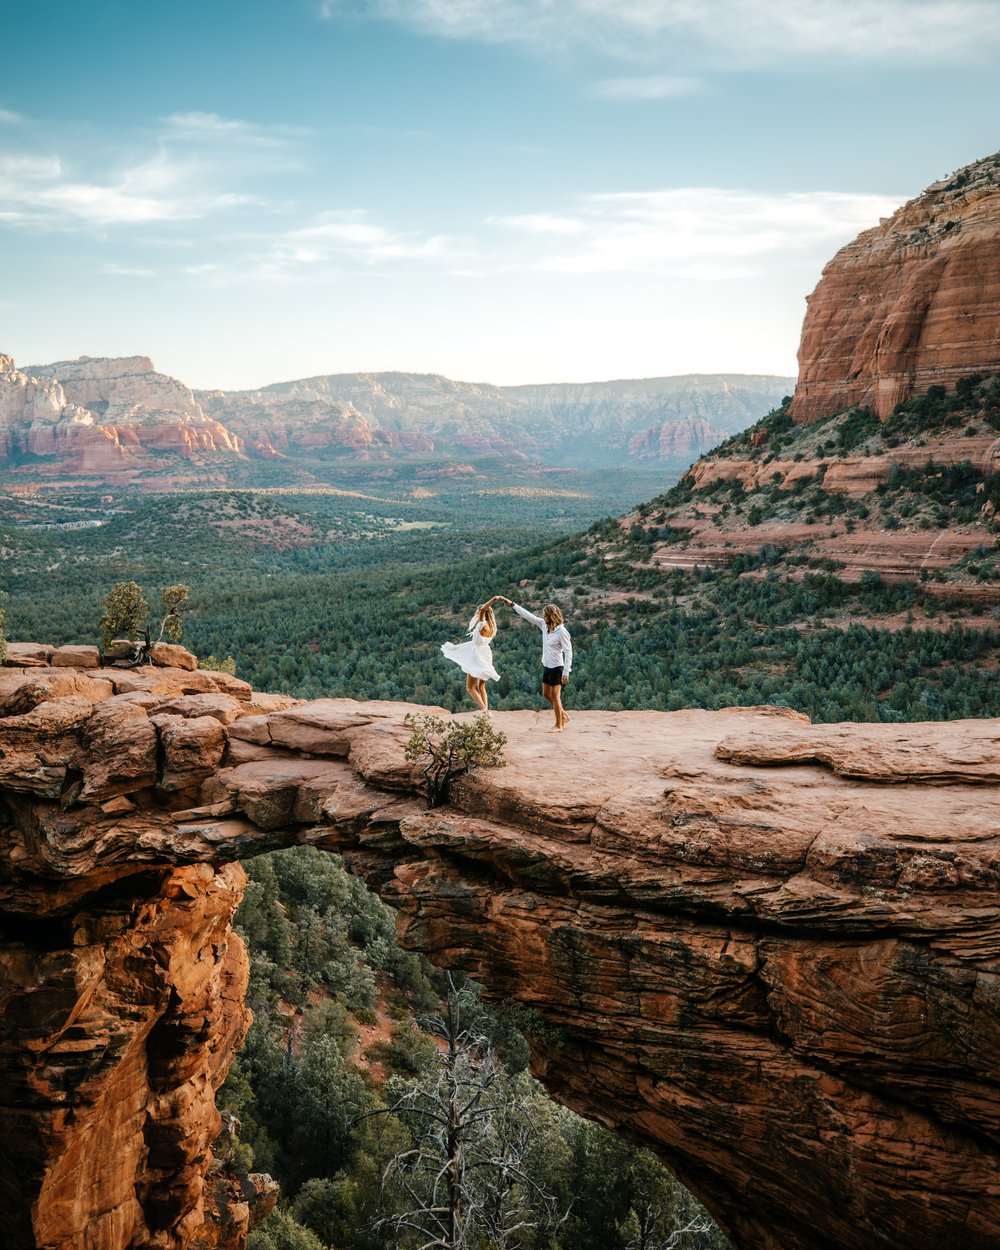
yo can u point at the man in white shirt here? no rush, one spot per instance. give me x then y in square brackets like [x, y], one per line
[557, 656]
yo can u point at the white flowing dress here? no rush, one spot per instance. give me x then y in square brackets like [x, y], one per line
[473, 657]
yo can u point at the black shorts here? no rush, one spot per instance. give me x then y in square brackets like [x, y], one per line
[552, 676]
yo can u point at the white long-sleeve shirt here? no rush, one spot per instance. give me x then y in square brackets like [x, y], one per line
[557, 646]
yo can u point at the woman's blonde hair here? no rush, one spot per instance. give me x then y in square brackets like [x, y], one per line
[552, 616]
[486, 614]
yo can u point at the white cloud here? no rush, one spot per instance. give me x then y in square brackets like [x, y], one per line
[647, 87]
[697, 233]
[351, 238]
[37, 191]
[211, 128]
[541, 223]
[128, 271]
[7, 118]
[725, 33]
[692, 234]
[194, 168]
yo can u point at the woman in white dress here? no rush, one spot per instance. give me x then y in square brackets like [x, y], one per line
[475, 658]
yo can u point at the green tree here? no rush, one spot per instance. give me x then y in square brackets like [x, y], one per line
[281, 1231]
[173, 599]
[125, 613]
[450, 748]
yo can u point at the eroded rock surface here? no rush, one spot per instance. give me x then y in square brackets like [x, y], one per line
[911, 303]
[767, 949]
[103, 419]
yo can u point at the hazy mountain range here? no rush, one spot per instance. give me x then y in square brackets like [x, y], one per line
[119, 420]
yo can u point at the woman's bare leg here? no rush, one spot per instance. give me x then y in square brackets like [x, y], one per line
[472, 688]
[484, 694]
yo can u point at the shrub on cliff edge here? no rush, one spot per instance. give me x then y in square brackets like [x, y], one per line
[451, 748]
[126, 613]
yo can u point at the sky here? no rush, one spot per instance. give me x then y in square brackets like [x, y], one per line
[503, 191]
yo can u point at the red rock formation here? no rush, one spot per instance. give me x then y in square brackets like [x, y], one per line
[137, 416]
[121, 982]
[118, 419]
[911, 303]
[853, 476]
[766, 948]
[684, 440]
[610, 422]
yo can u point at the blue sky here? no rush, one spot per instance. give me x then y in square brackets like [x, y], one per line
[497, 190]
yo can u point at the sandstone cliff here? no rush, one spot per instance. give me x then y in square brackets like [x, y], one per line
[885, 462]
[913, 302]
[911, 498]
[767, 949]
[101, 420]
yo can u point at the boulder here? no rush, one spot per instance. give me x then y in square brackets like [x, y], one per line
[170, 655]
[75, 657]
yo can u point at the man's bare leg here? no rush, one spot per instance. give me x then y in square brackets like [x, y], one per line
[551, 695]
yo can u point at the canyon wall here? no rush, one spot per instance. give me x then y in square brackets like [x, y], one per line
[588, 424]
[765, 948]
[912, 303]
[118, 420]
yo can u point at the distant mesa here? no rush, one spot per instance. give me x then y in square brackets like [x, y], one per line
[911, 303]
[100, 419]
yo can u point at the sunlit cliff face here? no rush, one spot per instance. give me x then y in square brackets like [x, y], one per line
[912, 303]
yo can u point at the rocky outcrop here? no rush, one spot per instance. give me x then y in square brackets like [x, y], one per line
[105, 420]
[853, 476]
[121, 982]
[767, 949]
[123, 389]
[912, 303]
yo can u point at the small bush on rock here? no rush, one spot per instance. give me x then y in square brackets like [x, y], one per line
[125, 611]
[450, 748]
[126, 614]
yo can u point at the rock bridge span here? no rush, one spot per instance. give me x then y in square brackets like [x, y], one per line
[764, 948]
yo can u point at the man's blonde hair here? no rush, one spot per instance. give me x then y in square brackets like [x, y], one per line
[552, 616]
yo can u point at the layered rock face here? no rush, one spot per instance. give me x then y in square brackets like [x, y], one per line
[767, 949]
[912, 303]
[108, 420]
[121, 981]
